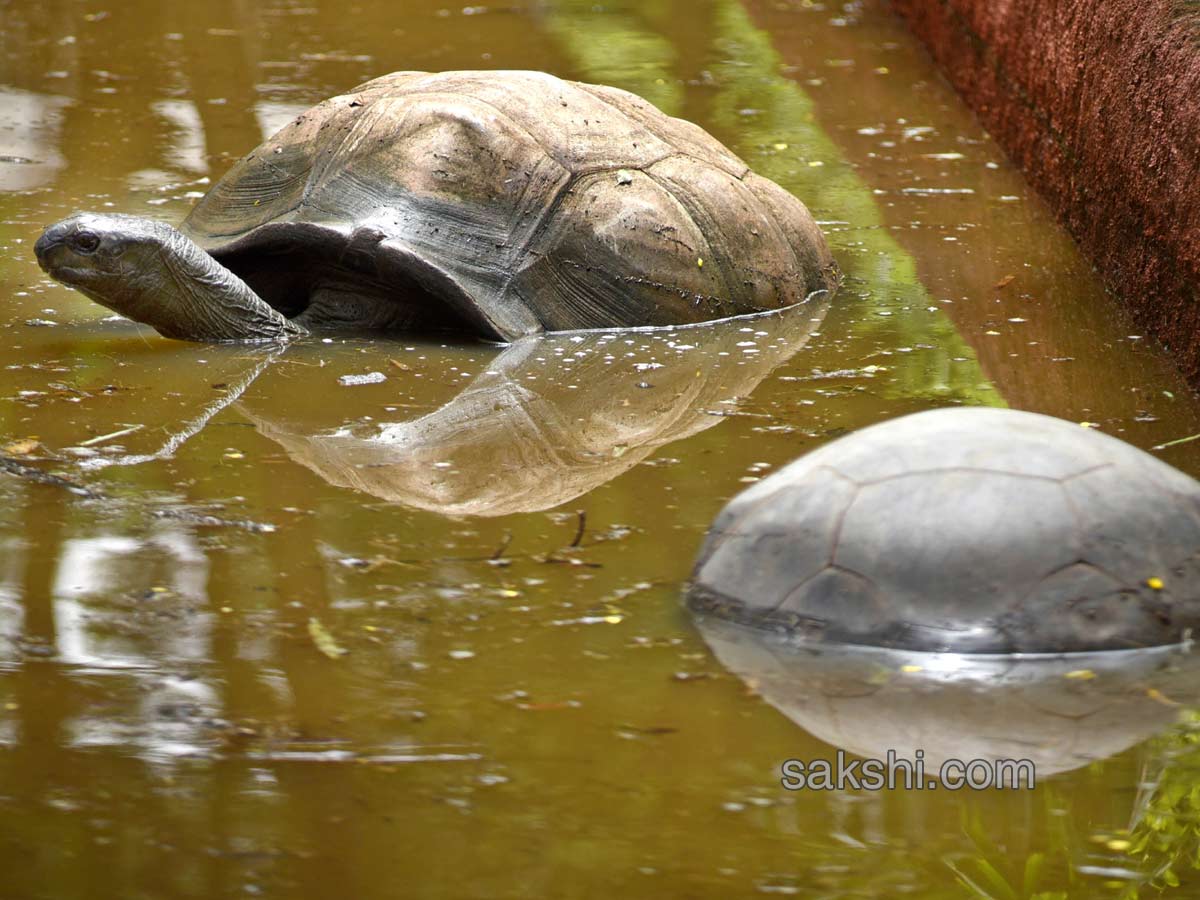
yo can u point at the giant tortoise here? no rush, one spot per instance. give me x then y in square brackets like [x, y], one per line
[491, 203]
[966, 530]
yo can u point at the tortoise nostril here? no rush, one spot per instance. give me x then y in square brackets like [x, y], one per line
[50, 238]
[44, 243]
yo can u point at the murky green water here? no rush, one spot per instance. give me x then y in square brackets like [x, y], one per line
[498, 536]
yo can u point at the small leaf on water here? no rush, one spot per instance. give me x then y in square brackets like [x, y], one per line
[1004, 282]
[1159, 696]
[1080, 674]
[1155, 584]
[324, 641]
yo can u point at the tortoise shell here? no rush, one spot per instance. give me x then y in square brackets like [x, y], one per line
[519, 202]
[970, 530]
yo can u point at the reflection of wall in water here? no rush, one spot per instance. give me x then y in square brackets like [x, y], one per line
[95, 571]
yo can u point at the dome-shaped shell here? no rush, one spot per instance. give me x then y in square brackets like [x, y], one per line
[525, 202]
[972, 530]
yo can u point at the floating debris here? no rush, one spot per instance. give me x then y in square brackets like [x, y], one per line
[369, 378]
[324, 641]
[22, 447]
[128, 429]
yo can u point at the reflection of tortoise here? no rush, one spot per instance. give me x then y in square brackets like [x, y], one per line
[498, 203]
[974, 530]
[531, 431]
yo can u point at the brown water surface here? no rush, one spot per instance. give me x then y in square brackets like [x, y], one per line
[497, 536]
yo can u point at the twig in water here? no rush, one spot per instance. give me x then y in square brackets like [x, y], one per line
[10, 465]
[113, 434]
[582, 513]
[503, 546]
[1176, 442]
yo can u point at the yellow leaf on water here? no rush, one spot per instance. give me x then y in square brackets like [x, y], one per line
[911, 668]
[323, 640]
[700, 263]
[1155, 584]
[23, 447]
[1080, 674]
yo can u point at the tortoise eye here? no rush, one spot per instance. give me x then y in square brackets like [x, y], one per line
[85, 242]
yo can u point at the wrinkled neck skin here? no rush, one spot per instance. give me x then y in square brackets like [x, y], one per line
[184, 293]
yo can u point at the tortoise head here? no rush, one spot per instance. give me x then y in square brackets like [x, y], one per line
[116, 260]
[152, 273]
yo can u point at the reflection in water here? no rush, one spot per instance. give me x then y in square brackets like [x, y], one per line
[1062, 712]
[103, 566]
[11, 614]
[29, 137]
[554, 416]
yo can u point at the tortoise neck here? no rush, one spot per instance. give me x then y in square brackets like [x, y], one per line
[204, 301]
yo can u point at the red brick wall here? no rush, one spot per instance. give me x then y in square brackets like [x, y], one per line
[1099, 102]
